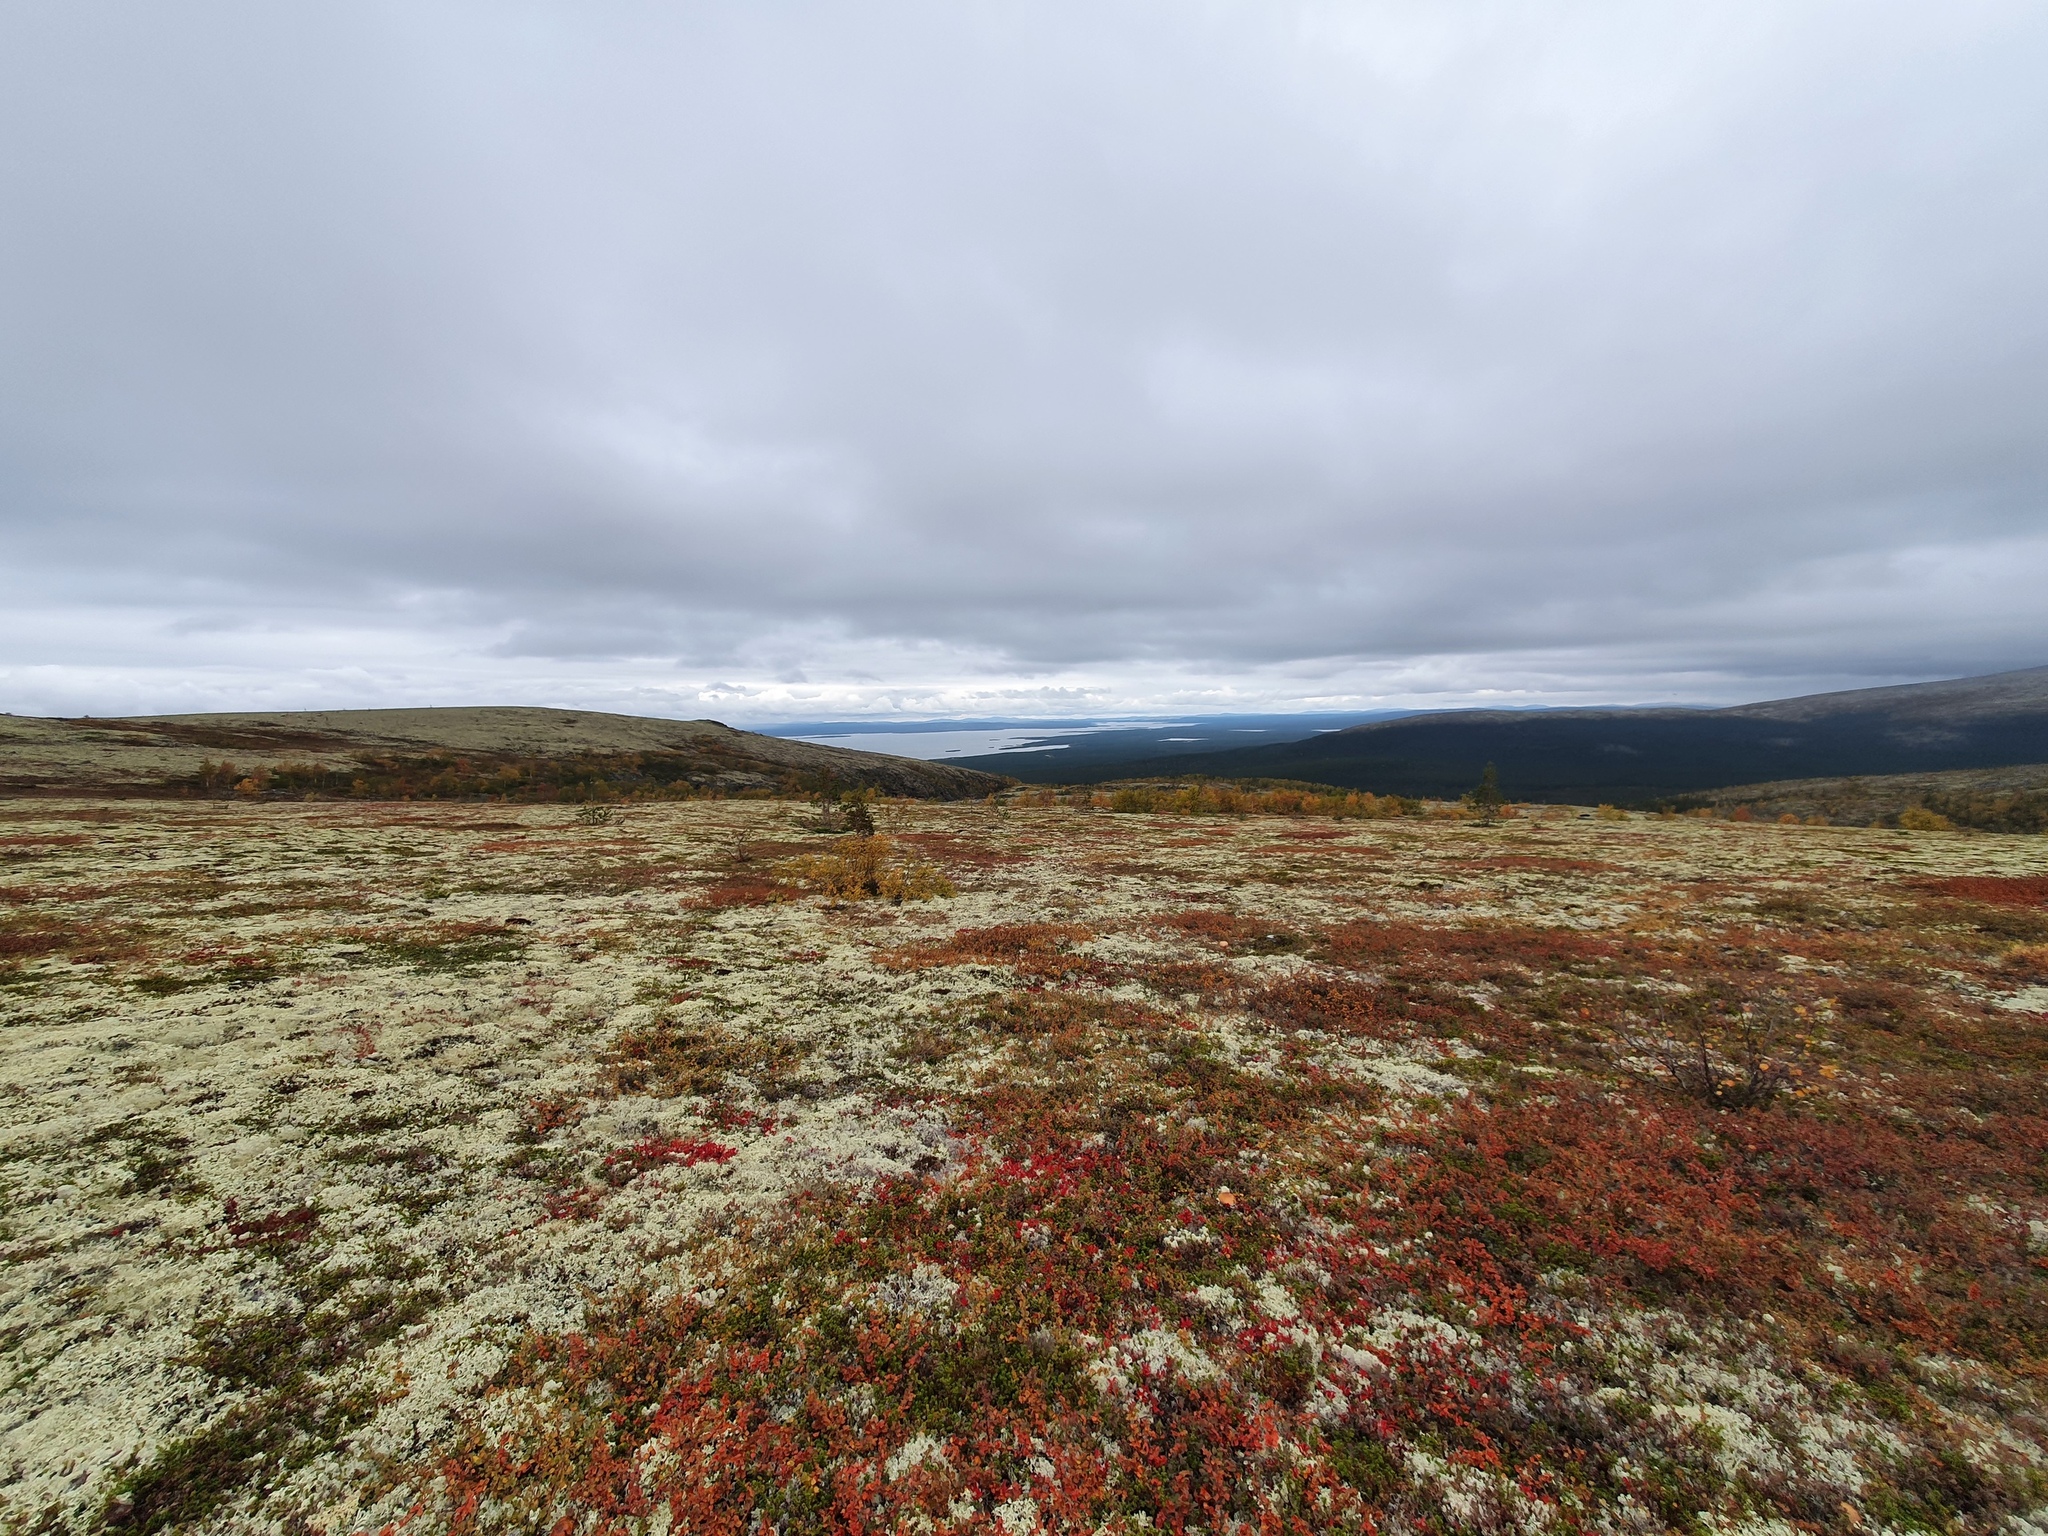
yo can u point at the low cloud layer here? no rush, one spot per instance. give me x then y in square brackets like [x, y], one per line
[941, 359]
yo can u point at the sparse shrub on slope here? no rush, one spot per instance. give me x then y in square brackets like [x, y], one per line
[1918, 818]
[709, 772]
[1251, 800]
[2025, 811]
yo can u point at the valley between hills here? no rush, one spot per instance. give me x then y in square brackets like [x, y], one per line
[1025, 1165]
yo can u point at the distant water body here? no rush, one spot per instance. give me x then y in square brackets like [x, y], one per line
[934, 740]
[936, 744]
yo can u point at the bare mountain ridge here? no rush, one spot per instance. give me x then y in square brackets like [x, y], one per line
[529, 750]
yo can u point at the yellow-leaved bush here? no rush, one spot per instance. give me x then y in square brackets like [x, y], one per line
[869, 868]
[1917, 818]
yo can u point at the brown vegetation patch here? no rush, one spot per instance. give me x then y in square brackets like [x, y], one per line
[670, 1058]
[1210, 983]
[271, 1231]
[1480, 951]
[1135, 869]
[1209, 924]
[743, 890]
[1883, 1006]
[1236, 934]
[953, 848]
[1335, 1004]
[1028, 948]
[1034, 1014]
[1995, 890]
[1542, 864]
[448, 947]
[31, 937]
[23, 941]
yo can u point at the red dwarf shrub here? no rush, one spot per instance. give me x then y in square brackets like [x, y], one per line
[1031, 949]
[1476, 952]
[270, 1232]
[742, 890]
[1334, 1003]
[543, 1117]
[1997, 890]
[628, 1163]
[1182, 1285]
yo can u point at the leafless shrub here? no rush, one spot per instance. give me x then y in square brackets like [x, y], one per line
[1730, 1052]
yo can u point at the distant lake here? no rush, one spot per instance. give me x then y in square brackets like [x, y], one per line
[1089, 742]
[932, 745]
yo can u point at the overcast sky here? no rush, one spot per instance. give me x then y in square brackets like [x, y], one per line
[783, 361]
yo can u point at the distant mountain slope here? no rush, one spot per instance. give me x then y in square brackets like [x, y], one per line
[1071, 754]
[443, 753]
[1958, 701]
[2010, 799]
[1624, 755]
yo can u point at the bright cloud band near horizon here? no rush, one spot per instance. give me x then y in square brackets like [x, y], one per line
[919, 359]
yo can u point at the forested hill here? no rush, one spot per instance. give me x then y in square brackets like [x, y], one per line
[1639, 755]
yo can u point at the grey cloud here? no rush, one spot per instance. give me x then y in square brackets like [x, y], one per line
[906, 345]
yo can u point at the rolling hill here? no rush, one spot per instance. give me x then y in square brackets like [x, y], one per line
[2010, 799]
[453, 753]
[1641, 755]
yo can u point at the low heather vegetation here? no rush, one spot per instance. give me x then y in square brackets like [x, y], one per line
[1202, 1160]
